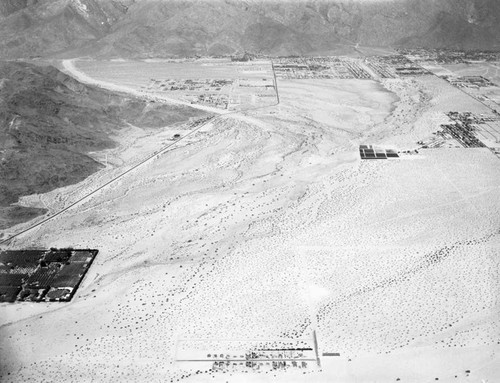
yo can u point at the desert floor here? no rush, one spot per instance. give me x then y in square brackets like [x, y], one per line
[266, 225]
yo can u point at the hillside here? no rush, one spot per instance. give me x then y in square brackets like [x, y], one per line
[146, 28]
[49, 122]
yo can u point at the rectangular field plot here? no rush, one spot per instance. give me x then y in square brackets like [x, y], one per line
[21, 258]
[9, 293]
[42, 275]
[58, 256]
[70, 275]
[371, 152]
[245, 355]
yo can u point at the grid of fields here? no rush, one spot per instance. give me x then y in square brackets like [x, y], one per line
[42, 275]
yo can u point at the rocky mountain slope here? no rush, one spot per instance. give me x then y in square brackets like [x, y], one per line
[142, 28]
[48, 124]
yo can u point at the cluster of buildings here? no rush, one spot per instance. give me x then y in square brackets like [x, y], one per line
[218, 100]
[467, 130]
[265, 360]
[187, 84]
[463, 133]
[319, 68]
[218, 93]
[474, 82]
[212, 92]
[346, 67]
[450, 56]
[394, 66]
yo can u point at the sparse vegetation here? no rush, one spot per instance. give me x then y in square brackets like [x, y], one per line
[253, 244]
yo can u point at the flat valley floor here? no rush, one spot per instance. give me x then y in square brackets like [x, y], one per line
[264, 227]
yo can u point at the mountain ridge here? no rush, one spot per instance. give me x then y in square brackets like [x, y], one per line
[156, 28]
[49, 122]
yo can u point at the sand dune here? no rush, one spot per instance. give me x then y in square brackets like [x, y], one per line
[267, 226]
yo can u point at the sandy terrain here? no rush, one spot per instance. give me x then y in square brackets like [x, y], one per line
[265, 225]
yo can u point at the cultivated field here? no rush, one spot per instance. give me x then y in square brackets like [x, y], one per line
[265, 230]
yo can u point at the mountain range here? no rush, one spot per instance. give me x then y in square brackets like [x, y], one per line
[49, 122]
[165, 28]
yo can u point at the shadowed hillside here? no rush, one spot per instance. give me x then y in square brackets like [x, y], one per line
[48, 123]
[132, 28]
